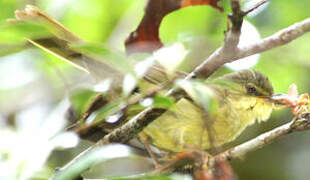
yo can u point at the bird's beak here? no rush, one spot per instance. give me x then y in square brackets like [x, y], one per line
[277, 98]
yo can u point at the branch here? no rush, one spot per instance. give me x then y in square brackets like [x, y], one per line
[280, 38]
[301, 123]
[284, 36]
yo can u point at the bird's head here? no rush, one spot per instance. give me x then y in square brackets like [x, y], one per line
[247, 82]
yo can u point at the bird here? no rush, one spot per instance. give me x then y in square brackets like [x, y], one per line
[242, 98]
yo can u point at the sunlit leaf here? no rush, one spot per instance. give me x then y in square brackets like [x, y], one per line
[7, 49]
[34, 15]
[19, 31]
[98, 51]
[129, 84]
[163, 102]
[143, 66]
[65, 140]
[103, 86]
[194, 22]
[158, 102]
[37, 136]
[56, 121]
[59, 39]
[171, 57]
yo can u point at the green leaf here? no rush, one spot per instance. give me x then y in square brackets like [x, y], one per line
[184, 24]
[81, 99]
[7, 49]
[20, 31]
[163, 102]
[104, 113]
[100, 53]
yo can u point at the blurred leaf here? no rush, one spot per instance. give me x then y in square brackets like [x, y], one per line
[80, 100]
[129, 84]
[171, 57]
[65, 140]
[113, 59]
[158, 101]
[97, 68]
[101, 154]
[58, 40]
[7, 49]
[198, 21]
[142, 67]
[103, 86]
[200, 93]
[163, 102]
[7, 7]
[19, 31]
[146, 37]
[104, 113]
[35, 15]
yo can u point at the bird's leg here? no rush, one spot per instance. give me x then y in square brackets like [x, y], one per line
[143, 139]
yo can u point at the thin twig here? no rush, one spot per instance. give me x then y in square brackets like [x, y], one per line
[255, 7]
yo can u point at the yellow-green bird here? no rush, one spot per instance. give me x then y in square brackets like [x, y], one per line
[242, 98]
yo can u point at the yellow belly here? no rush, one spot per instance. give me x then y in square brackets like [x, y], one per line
[177, 130]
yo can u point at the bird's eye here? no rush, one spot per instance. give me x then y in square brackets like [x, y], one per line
[251, 89]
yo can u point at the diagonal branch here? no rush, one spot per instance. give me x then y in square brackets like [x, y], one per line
[300, 123]
[284, 36]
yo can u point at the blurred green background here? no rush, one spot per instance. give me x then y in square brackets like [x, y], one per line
[31, 77]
